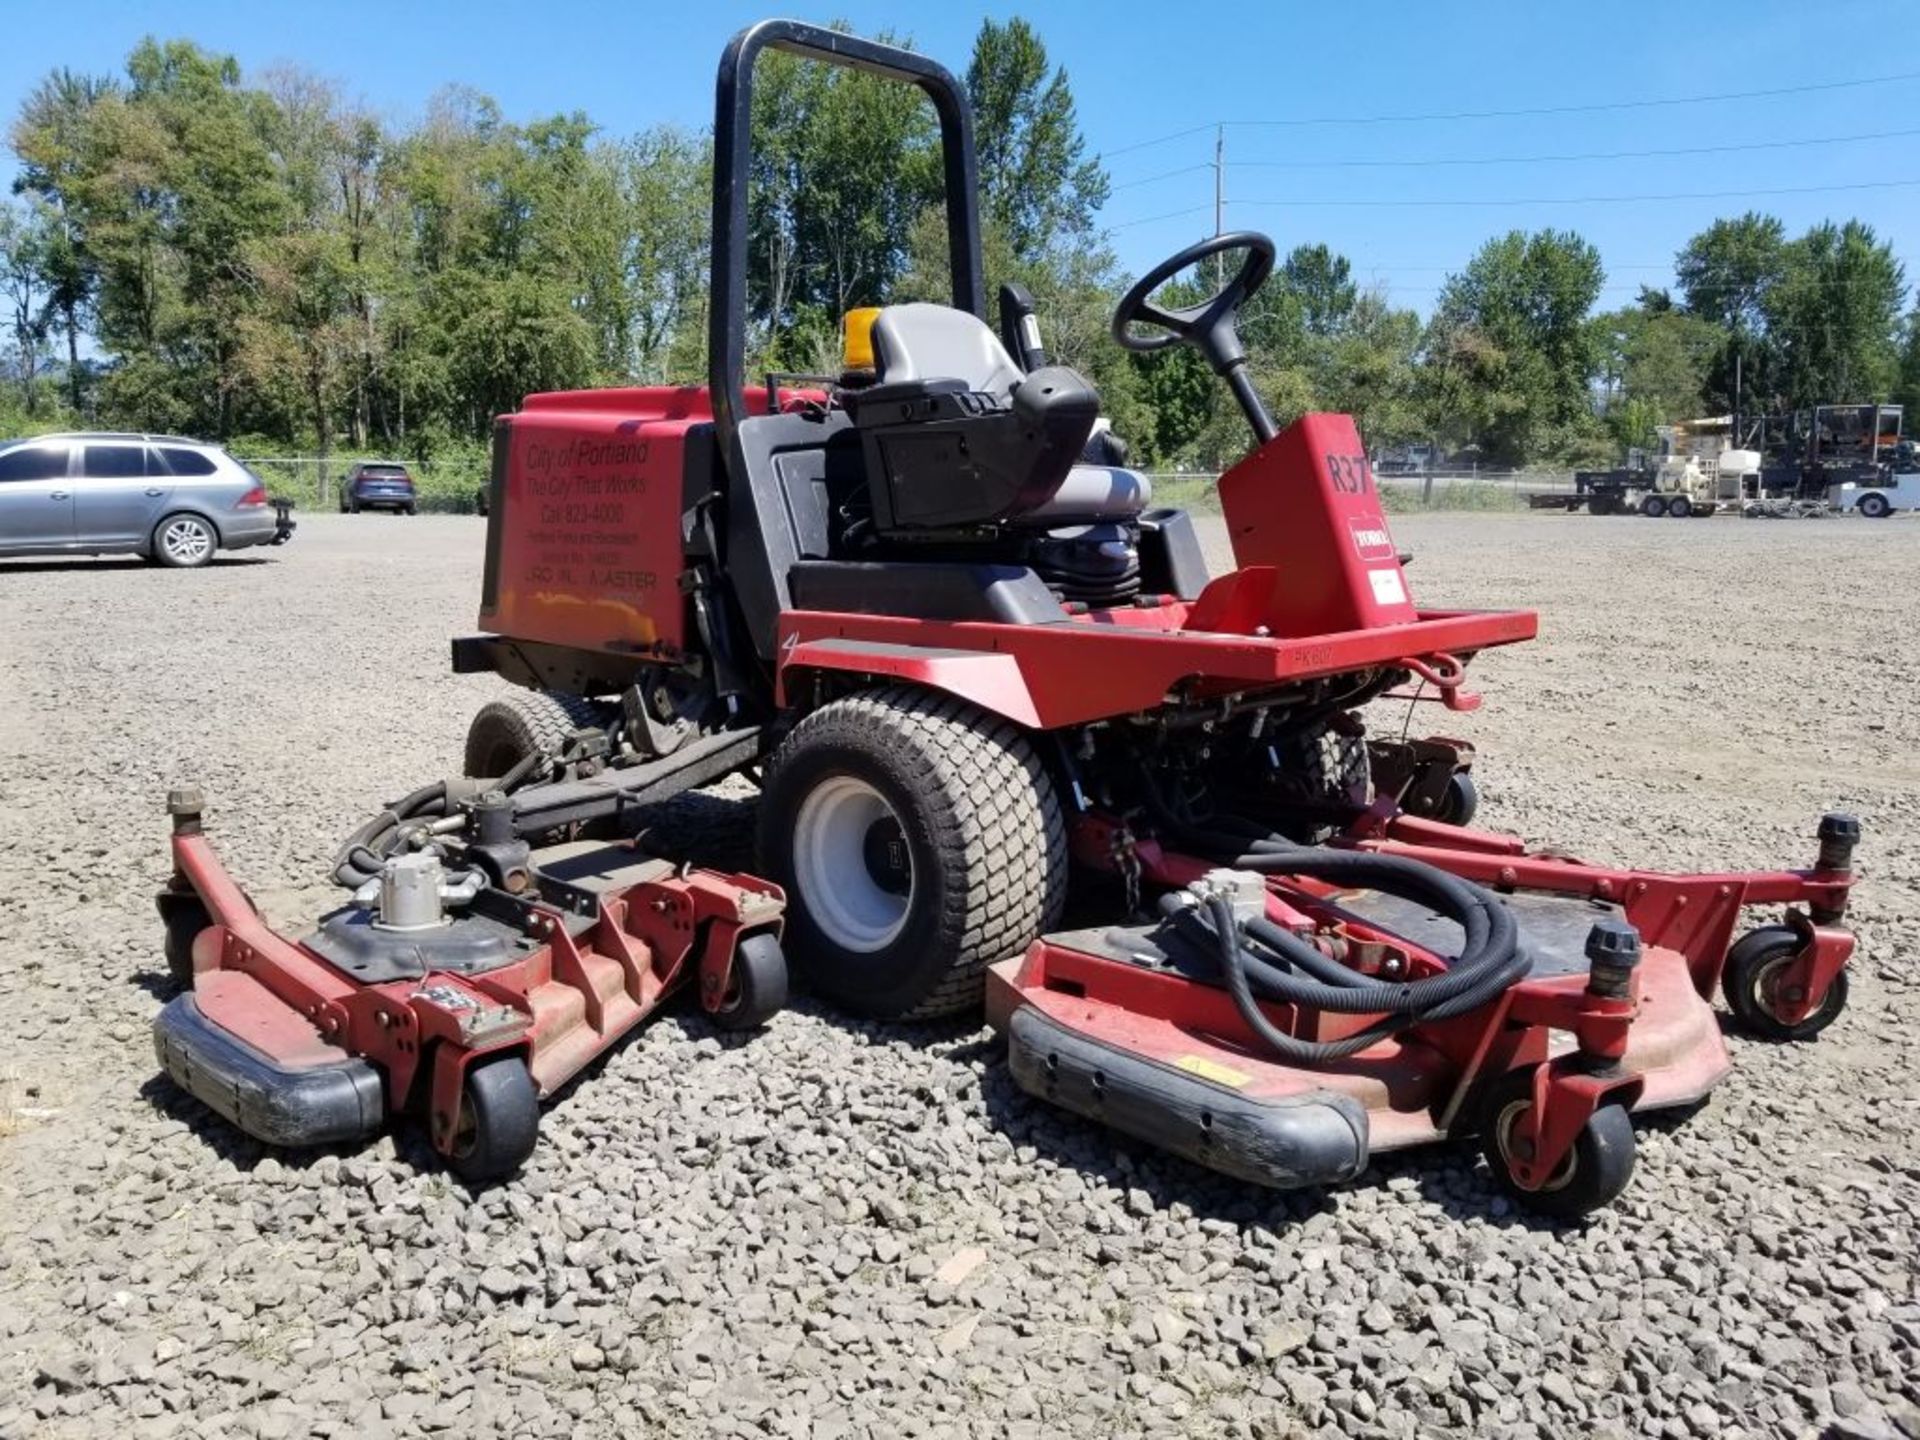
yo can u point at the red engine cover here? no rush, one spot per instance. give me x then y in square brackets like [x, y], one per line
[1305, 505]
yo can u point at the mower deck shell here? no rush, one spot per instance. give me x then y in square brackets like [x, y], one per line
[302, 1093]
[1167, 1060]
[286, 1041]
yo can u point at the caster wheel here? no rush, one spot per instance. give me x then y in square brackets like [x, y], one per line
[1592, 1176]
[1751, 980]
[498, 1122]
[1460, 802]
[758, 990]
[185, 917]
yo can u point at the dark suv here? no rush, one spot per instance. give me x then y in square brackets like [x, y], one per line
[377, 485]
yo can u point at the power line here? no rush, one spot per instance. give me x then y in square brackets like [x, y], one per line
[1587, 109]
[1527, 159]
[1312, 203]
[1591, 199]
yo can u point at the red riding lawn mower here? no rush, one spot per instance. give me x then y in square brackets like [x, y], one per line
[984, 685]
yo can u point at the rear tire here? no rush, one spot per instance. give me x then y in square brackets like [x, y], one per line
[919, 840]
[1680, 507]
[184, 541]
[527, 722]
[1874, 507]
[498, 1123]
[1653, 507]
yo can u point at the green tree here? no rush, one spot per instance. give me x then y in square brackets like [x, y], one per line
[51, 137]
[1515, 320]
[1654, 365]
[1322, 283]
[23, 298]
[1907, 383]
[1833, 316]
[844, 163]
[1037, 183]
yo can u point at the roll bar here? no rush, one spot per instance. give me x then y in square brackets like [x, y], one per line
[733, 166]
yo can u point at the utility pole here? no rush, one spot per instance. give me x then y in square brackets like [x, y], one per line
[1219, 196]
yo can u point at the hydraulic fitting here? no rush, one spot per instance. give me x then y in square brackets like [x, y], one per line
[1838, 834]
[185, 805]
[1613, 949]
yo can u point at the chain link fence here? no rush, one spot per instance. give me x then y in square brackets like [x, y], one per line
[1470, 488]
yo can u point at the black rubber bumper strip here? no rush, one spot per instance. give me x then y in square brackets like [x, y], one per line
[309, 1105]
[1314, 1139]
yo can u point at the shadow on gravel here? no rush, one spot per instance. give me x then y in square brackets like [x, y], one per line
[54, 565]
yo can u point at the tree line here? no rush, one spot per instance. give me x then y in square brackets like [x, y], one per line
[265, 261]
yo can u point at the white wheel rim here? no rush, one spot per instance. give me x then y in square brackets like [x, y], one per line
[845, 898]
[186, 540]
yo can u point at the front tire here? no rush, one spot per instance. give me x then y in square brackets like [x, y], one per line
[1592, 1176]
[184, 542]
[1750, 979]
[498, 1123]
[919, 840]
[1874, 507]
[757, 990]
[1461, 800]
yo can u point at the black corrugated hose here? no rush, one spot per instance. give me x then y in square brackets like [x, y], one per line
[1260, 960]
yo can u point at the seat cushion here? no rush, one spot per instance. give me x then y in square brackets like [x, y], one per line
[937, 342]
[1094, 492]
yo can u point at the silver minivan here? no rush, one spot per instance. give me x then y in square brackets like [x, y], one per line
[174, 501]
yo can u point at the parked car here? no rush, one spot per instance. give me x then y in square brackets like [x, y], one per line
[378, 485]
[172, 500]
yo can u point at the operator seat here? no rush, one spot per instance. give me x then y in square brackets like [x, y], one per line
[958, 435]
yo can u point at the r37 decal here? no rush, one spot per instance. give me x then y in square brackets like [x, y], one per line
[1348, 473]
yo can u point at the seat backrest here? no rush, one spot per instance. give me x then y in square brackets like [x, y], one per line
[937, 342]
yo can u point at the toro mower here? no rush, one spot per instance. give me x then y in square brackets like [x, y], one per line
[985, 684]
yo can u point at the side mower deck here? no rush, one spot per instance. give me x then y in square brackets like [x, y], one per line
[474, 1016]
[1132, 1026]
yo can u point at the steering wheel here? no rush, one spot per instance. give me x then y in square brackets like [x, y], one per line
[1210, 327]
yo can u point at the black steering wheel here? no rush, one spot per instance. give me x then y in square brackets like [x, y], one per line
[1209, 326]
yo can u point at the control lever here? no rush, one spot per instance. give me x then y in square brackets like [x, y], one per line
[1020, 331]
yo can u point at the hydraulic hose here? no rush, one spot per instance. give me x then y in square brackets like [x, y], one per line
[1260, 960]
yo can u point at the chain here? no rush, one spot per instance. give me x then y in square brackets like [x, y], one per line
[1126, 860]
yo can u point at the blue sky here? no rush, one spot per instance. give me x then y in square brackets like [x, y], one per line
[1138, 75]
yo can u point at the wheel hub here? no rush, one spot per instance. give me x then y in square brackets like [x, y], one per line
[852, 864]
[885, 852]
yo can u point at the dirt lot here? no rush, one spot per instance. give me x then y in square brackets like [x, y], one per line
[839, 1230]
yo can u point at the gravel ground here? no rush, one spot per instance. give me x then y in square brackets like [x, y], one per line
[834, 1229]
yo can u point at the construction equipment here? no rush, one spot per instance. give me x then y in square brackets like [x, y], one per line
[1696, 471]
[967, 658]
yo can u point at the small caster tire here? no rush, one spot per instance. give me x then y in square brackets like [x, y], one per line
[1751, 975]
[499, 1121]
[1592, 1176]
[184, 919]
[757, 990]
[1461, 800]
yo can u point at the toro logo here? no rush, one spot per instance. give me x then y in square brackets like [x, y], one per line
[1371, 540]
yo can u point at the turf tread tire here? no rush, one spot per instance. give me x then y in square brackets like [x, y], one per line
[992, 820]
[532, 721]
